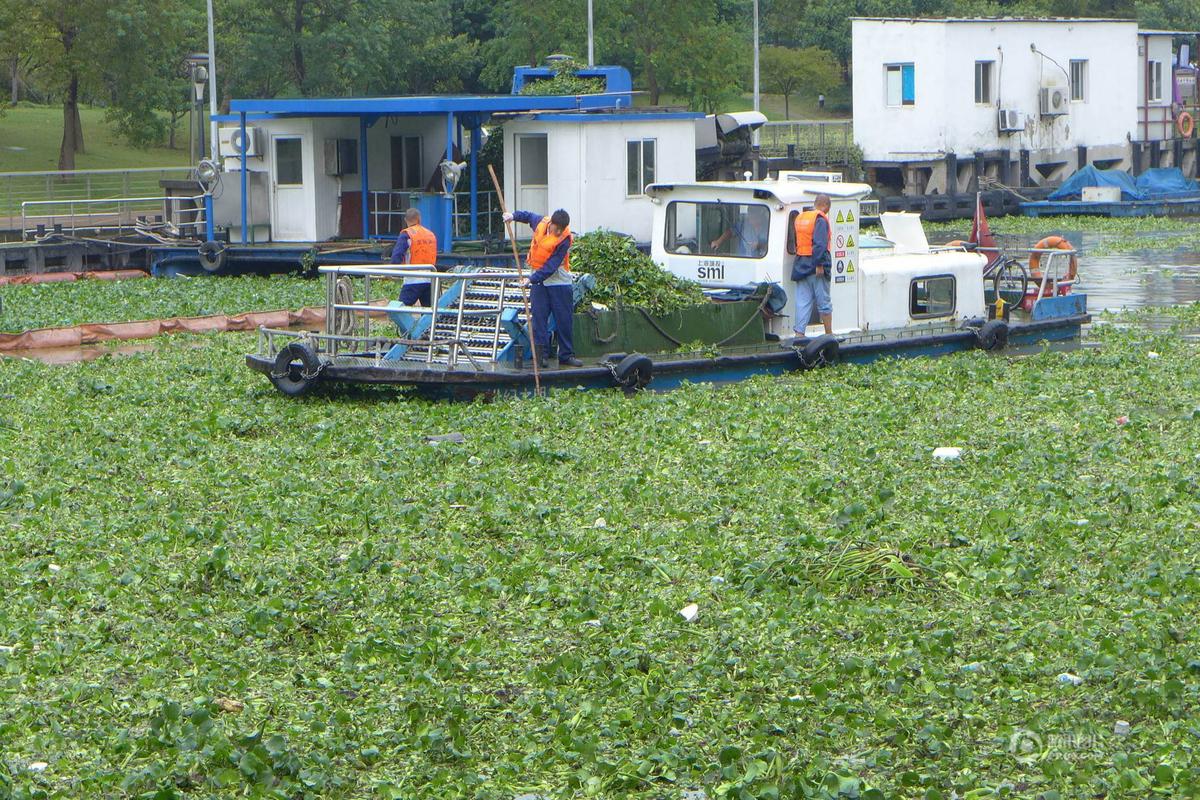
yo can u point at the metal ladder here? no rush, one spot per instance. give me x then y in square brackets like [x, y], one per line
[483, 337]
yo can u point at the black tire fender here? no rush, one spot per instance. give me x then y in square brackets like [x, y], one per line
[297, 369]
[993, 335]
[634, 372]
[820, 352]
[212, 255]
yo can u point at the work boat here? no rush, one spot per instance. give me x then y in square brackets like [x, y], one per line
[892, 294]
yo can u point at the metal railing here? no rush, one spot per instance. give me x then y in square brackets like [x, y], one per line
[491, 224]
[387, 213]
[828, 142]
[348, 312]
[118, 215]
[84, 184]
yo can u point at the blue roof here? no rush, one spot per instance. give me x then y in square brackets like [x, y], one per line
[433, 104]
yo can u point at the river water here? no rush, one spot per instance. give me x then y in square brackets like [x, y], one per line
[1134, 279]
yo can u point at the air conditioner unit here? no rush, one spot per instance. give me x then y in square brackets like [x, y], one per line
[1052, 101]
[231, 143]
[1011, 120]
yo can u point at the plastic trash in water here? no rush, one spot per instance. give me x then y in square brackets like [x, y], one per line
[947, 453]
[1122, 728]
[38, 766]
[1152, 354]
[690, 612]
[600, 522]
[1071, 678]
[974, 666]
[1123, 420]
[716, 580]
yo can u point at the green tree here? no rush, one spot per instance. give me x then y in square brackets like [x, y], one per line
[786, 71]
[148, 43]
[528, 32]
[711, 67]
[71, 39]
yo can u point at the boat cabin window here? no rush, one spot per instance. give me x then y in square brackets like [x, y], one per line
[931, 297]
[737, 230]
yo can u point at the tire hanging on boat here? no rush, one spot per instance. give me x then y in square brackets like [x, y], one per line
[993, 335]
[634, 372]
[820, 352]
[212, 255]
[297, 369]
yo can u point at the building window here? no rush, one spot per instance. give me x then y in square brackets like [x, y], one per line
[1079, 80]
[639, 166]
[406, 162]
[1155, 76]
[900, 84]
[717, 229]
[931, 297]
[983, 82]
[289, 162]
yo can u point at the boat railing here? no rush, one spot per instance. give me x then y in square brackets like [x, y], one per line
[114, 216]
[436, 329]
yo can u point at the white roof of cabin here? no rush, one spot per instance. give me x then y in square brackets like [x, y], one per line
[788, 192]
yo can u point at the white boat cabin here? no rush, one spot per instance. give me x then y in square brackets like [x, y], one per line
[730, 235]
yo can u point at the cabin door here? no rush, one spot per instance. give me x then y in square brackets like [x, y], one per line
[533, 176]
[287, 184]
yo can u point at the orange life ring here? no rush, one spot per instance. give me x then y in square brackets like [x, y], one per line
[1052, 243]
[1185, 124]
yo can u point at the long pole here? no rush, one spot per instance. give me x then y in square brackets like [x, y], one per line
[756, 102]
[537, 374]
[212, 88]
[591, 45]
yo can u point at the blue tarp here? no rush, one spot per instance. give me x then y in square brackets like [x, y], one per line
[1166, 182]
[1072, 188]
[1153, 184]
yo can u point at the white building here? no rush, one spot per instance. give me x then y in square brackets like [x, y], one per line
[940, 102]
[306, 170]
[597, 165]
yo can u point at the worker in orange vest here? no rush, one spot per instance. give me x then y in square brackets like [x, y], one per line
[812, 266]
[550, 282]
[415, 245]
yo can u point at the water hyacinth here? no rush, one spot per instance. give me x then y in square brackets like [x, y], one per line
[275, 598]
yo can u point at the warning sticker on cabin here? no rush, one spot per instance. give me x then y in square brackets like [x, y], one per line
[849, 242]
[841, 241]
[839, 253]
[850, 268]
[841, 217]
[849, 216]
[840, 279]
[841, 266]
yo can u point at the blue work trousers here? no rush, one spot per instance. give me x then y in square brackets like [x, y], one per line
[557, 301]
[415, 294]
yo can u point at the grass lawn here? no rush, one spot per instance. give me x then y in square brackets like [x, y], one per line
[30, 137]
[211, 590]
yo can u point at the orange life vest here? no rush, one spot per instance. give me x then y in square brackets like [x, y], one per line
[806, 223]
[422, 245]
[544, 244]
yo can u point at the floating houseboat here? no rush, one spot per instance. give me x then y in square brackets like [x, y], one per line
[893, 295]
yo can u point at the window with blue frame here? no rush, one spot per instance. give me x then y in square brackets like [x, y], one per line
[900, 84]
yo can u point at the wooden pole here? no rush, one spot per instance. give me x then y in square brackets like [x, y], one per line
[537, 374]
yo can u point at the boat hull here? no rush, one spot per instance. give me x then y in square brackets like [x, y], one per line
[670, 370]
